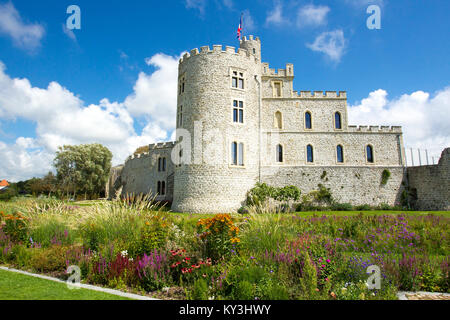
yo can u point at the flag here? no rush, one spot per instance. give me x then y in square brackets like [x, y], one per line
[240, 28]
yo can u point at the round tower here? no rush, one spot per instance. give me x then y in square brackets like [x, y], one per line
[252, 45]
[217, 128]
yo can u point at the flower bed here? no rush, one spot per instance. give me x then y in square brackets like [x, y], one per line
[268, 256]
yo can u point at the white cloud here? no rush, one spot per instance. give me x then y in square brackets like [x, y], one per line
[26, 36]
[312, 16]
[332, 44]
[63, 118]
[249, 22]
[196, 4]
[228, 3]
[425, 119]
[275, 16]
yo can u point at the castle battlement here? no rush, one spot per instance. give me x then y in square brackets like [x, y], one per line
[268, 72]
[151, 147]
[388, 129]
[320, 94]
[216, 49]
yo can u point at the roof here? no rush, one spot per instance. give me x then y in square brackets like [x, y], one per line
[4, 183]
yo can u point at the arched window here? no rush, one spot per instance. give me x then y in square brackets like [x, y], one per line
[158, 188]
[308, 120]
[162, 164]
[278, 123]
[340, 154]
[279, 153]
[337, 120]
[369, 154]
[309, 154]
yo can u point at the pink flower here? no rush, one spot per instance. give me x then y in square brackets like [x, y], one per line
[328, 260]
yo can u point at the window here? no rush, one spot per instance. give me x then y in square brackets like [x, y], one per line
[278, 122]
[180, 117]
[369, 154]
[182, 85]
[337, 120]
[308, 120]
[162, 164]
[309, 154]
[237, 154]
[238, 111]
[277, 85]
[279, 153]
[161, 188]
[340, 154]
[237, 80]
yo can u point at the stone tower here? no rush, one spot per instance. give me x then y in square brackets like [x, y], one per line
[218, 118]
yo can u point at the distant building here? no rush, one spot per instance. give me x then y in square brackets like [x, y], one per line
[4, 185]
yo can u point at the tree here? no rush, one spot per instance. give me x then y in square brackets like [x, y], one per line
[83, 169]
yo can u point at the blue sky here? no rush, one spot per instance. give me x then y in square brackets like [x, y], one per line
[114, 81]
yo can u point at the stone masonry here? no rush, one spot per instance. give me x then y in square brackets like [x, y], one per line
[235, 113]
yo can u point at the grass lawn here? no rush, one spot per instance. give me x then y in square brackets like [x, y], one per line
[373, 212]
[15, 286]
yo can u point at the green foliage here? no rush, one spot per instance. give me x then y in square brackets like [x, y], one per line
[341, 206]
[15, 227]
[308, 281]
[49, 259]
[153, 236]
[218, 235]
[84, 168]
[260, 194]
[199, 290]
[9, 193]
[385, 175]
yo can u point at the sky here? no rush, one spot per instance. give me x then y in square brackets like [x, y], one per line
[114, 80]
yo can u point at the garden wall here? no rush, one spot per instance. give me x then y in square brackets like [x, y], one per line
[430, 185]
[355, 185]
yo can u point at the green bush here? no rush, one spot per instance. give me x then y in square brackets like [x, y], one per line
[244, 291]
[199, 290]
[341, 207]
[363, 207]
[49, 259]
[385, 175]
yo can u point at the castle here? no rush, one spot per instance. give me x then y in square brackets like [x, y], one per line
[240, 122]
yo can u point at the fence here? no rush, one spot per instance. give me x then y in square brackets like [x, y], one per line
[422, 157]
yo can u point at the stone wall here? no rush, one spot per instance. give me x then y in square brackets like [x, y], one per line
[429, 186]
[355, 185]
[140, 173]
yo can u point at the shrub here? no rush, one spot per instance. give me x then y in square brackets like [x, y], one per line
[199, 290]
[153, 236]
[15, 227]
[49, 259]
[341, 207]
[259, 194]
[218, 235]
[363, 207]
[308, 280]
[385, 175]
[154, 271]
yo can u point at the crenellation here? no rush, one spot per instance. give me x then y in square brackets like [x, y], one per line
[217, 48]
[204, 49]
[331, 94]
